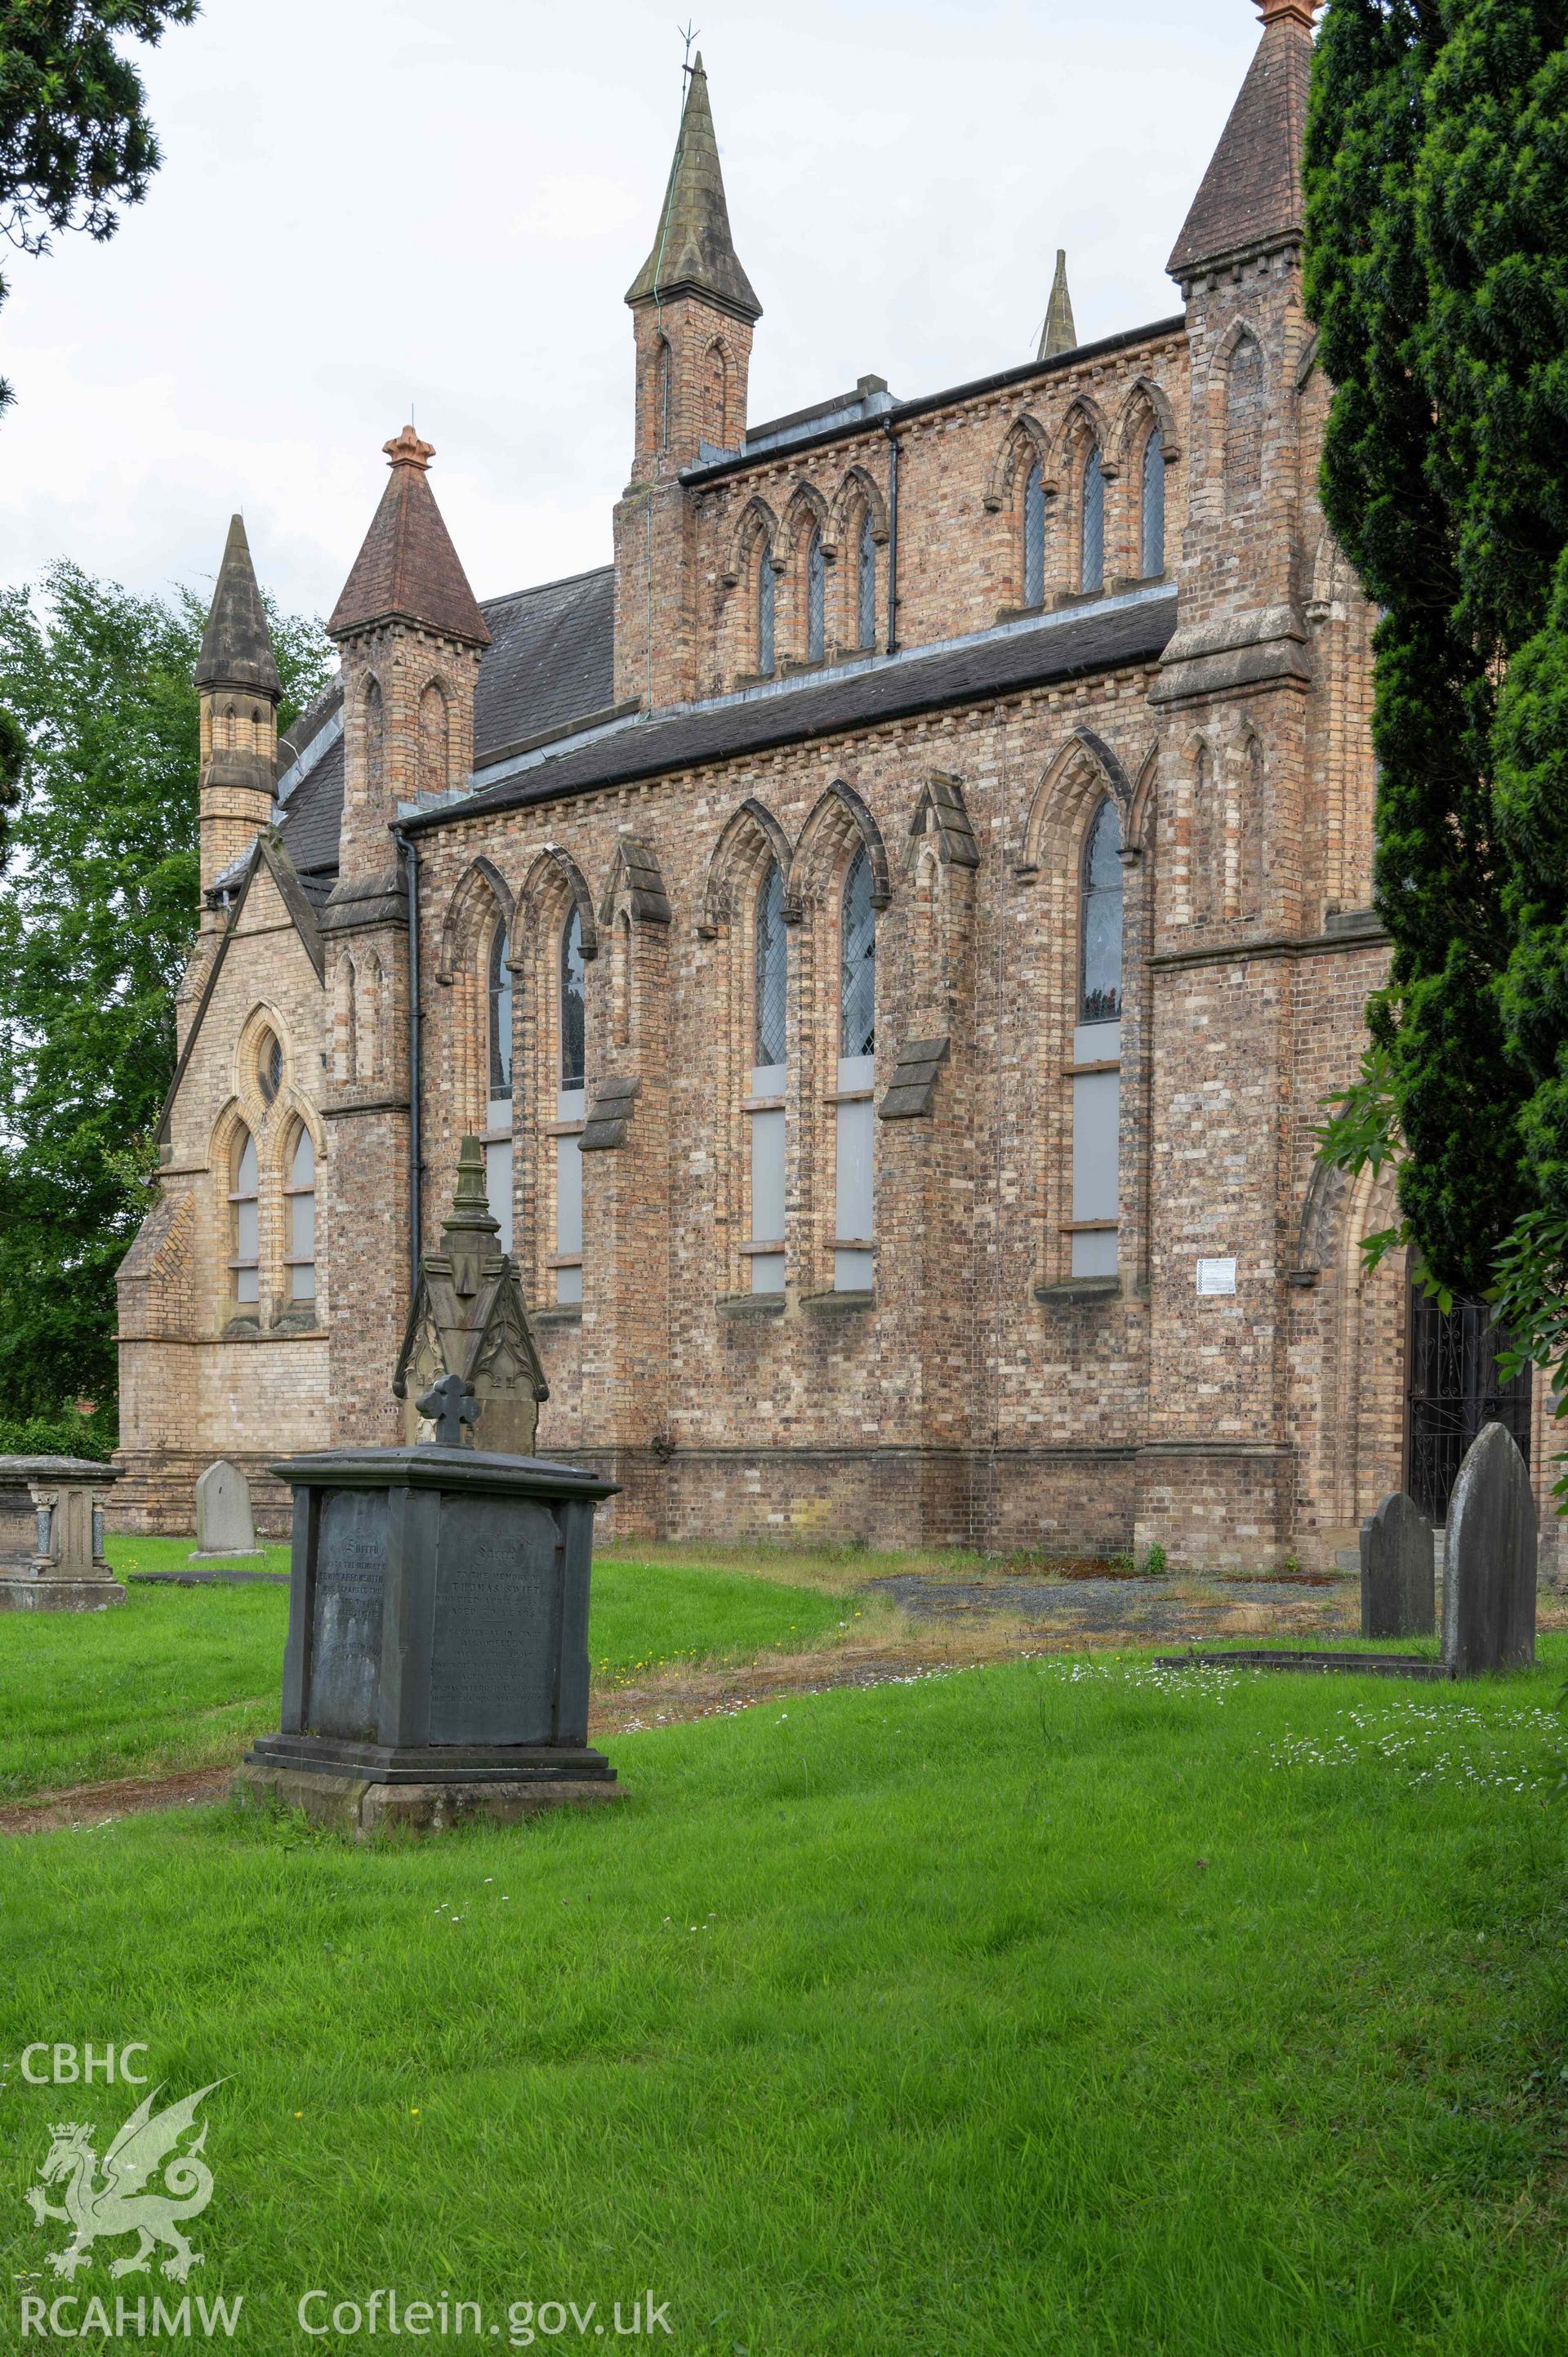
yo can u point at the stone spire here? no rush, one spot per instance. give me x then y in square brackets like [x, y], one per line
[408, 570]
[1059, 334]
[1249, 201]
[694, 253]
[237, 646]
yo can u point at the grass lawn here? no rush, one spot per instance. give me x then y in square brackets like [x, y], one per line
[182, 1678]
[1064, 2007]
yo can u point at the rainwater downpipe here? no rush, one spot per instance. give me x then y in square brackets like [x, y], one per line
[891, 536]
[411, 857]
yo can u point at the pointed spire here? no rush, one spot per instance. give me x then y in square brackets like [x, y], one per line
[469, 1233]
[694, 253]
[1250, 198]
[1058, 335]
[237, 646]
[408, 570]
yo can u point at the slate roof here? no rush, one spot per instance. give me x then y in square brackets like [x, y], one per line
[551, 661]
[1093, 641]
[1250, 195]
[408, 567]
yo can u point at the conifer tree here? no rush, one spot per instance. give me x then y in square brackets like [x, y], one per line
[1436, 246]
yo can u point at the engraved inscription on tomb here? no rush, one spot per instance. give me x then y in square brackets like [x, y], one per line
[490, 1679]
[346, 1649]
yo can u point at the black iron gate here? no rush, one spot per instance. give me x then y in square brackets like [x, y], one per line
[1455, 1387]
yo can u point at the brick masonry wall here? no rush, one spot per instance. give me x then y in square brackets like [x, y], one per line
[980, 1395]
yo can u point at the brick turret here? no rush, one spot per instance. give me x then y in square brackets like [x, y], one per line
[693, 311]
[239, 691]
[412, 637]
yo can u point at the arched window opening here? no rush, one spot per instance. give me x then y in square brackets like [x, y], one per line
[620, 980]
[375, 732]
[269, 1067]
[434, 742]
[1035, 536]
[770, 968]
[1097, 1053]
[245, 1221]
[1151, 539]
[767, 612]
[717, 404]
[1092, 567]
[855, 1231]
[498, 1122]
[1208, 837]
[663, 374]
[570, 1111]
[816, 598]
[1100, 992]
[1244, 421]
[865, 584]
[299, 1195]
[574, 986]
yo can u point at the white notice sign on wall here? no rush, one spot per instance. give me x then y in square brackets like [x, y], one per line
[1216, 1276]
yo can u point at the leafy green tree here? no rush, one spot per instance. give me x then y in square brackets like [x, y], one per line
[13, 751]
[97, 916]
[75, 140]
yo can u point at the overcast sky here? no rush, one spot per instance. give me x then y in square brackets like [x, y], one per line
[370, 204]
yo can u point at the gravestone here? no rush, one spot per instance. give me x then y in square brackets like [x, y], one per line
[1399, 1584]
[224, 1523]
[437, 1658]
[51, 1535]
[468, 1319]
[1489, 1579]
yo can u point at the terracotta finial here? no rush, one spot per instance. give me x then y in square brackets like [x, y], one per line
[406, 449]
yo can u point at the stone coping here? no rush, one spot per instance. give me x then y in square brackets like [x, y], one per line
[57, 1469]
[435, 1467]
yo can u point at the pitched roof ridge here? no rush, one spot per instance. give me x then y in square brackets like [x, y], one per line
[538, 589]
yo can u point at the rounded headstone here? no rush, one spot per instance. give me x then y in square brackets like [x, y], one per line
[1490, 1571]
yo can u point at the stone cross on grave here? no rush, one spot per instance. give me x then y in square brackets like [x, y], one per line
[449, 1404]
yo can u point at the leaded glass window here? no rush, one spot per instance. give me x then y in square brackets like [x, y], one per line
[1035, 536]
[816, 599]
[573, 1039]
[866, 585]
[300, 1195]
[857, 968]
[772, 969]
[766, 600]
[501, 1016]
[1091, 575]
[246, 1212]
[269, 1067]
[1100, 994]
[1152, 557]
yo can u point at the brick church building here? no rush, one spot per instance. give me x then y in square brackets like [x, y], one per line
[893, 929]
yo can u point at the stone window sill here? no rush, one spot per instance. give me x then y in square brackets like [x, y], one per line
[559, 1313]
[245, 1329]
[829, 1304]
[750, 1304]
[1080, 1288]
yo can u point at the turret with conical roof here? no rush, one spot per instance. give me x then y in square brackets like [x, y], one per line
[411, 634]
[1250, 202]
[1058, 335]
[237, 680]
[695, 309]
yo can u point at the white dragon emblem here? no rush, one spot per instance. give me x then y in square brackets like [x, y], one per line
[118, 2205]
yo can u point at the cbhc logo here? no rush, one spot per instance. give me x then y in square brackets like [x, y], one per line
[70, 2066]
